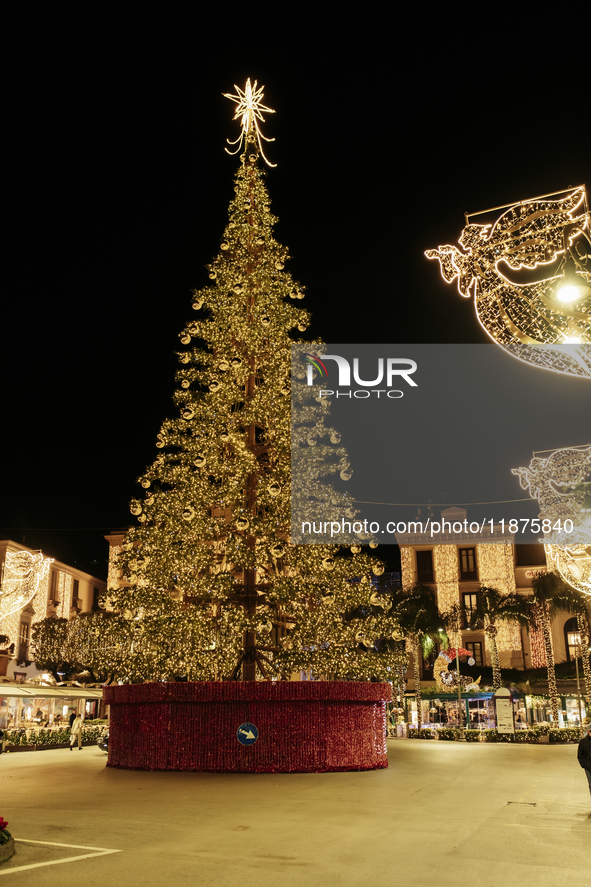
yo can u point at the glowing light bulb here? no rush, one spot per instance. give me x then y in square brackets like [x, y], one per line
[570, 293]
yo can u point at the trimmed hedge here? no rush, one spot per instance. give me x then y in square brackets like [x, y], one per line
[49, 737]
[533, 734]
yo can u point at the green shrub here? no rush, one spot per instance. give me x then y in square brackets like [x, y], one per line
[414, 733]
[448, 733]
[565, 734]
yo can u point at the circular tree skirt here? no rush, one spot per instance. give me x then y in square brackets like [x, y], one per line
[303, 726]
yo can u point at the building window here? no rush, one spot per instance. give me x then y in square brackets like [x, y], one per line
[475, 648]
[470, 602]
[425, 566]
[75, 592]
[95, 600]
[572, 639]
[468, 563]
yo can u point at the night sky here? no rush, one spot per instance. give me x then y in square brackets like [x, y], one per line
[388, 127]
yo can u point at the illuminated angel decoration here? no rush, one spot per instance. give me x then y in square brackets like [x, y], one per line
[249, 110]
[562, 485]
[23, 574]
[446, 680]
[554, 312]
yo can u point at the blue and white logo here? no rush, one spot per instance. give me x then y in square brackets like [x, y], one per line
[247, 734]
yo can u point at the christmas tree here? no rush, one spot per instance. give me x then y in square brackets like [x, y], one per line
[211, 587]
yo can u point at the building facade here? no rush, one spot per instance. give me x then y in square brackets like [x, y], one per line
[457, 569]
[35, 587]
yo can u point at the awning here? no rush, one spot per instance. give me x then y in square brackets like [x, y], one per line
[18, 690]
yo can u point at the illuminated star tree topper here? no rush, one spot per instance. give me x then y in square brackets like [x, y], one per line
[249, 110]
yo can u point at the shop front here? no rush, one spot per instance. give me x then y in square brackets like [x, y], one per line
[34, 707]
[477, 711]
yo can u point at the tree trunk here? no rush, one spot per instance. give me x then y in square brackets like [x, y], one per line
[582, 624]
[546, 627]
[491, 634]
[417, 680]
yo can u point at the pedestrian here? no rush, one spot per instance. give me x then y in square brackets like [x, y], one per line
[72, 718]
[584, 752]
[76, 732]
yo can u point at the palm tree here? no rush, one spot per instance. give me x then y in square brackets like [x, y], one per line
[493, 607]
[421, 621]
[551, 595]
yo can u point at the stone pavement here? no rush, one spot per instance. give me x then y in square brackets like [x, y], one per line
[443, 813]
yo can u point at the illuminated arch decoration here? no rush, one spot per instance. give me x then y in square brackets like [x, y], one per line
[447, 680]
[562, 485]
[530, 234]
[23, 574]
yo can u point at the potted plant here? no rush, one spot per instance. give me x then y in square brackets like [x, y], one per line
[6, 841]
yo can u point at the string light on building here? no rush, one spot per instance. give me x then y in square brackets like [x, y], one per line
[497, 570]
[445, 562]
[406, 566]
[553, 312]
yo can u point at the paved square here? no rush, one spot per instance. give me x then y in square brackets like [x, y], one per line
[443, 813]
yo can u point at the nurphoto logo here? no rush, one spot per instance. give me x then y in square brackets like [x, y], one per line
[396, 368]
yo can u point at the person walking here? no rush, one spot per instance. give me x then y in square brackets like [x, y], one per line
[584, 752]
[76, 732]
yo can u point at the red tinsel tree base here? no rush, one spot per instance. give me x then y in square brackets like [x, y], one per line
[303, 726]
